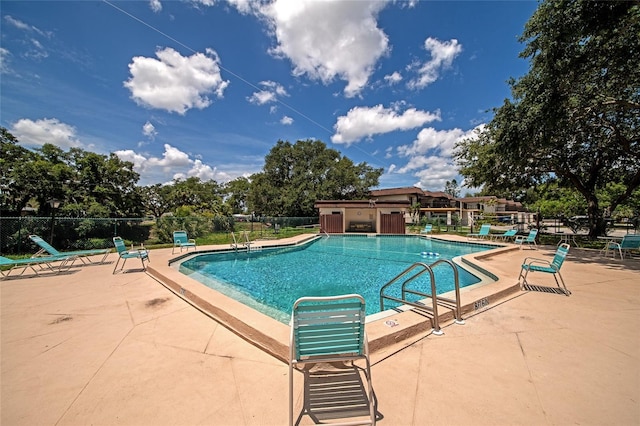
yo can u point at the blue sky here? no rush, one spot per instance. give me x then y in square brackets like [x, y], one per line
[207, 87]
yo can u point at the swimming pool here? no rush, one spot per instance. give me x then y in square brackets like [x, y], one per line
[271, 280]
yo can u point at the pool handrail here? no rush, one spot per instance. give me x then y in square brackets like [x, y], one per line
[435, 300]
[449, 303]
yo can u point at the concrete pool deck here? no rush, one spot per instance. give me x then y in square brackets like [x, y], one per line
[89, 347]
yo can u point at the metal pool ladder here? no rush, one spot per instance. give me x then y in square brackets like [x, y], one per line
[246, 243]
[413, 272]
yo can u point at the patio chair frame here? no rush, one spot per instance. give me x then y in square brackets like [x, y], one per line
[125, 254]
[532, 264]
[328, 330]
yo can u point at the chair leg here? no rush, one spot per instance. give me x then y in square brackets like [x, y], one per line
[524, 277]
[566, 291]
[290, 394]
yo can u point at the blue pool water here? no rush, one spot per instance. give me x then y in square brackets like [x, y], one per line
[272, 279]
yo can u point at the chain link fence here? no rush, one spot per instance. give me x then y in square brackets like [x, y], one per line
[66, 233]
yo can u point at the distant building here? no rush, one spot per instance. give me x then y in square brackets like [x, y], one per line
[389, 210]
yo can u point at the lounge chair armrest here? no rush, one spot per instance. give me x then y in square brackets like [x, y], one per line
[529, 260]
[541, 262]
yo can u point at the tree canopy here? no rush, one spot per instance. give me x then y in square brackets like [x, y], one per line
[94, 185]
[87, 184]
[296, 175]
[574, 116]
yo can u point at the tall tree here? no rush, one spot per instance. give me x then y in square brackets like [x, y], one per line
[237, 193]
[87, 184]
[193, 195]
[452, 188]
[16, 183]
[574, 116]
[296, 175]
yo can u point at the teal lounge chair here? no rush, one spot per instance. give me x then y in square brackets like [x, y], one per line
[83, 255]
[507, 234]
[181, 240]
[542, 265]
[7, 265]
[529, 239]
[624, 247]
[483, 233]
[427, 229]
[125, 254]
[331, 330]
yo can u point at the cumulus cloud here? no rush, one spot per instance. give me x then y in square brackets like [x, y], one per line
[393, 78]
[430, 155]
[442, 55]
[149, 130]
[363, 122]
[138, 160]
[429, 139]
[287, 121]
[270, 93]
[174, 164]
[155, 5]
[325, 40]
[174, 82]
[47, 130]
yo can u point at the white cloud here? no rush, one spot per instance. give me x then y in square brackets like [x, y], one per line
[271, 92]
[393, 78]
[430, 155]
[287, 121]
[138, 160]
[172, 157]
[4, 61]
[47, 130]
[155, 5]
[174, 164]
[149, 130]
[326, 40]
[174, 82]
[368, 121]
[25, 27]
[243, 6]
[429, 139]
[435, 176]
[442, 56]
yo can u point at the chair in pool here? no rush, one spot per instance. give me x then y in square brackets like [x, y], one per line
[125, 254]
[624, 247]
[506, 235]
[427, 229]
[531, 264]
[482, 233]
[7, 265]
[181, 240]
[331, 330]
[83, 255]
[529, 239]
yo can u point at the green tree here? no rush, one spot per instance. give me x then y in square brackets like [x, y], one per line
[86, 183]
[102, 186]
[452, 188]
[574, 116]
[202, 198]
[16, 183]
[296, 175]
[237, 193]
[155, 199]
